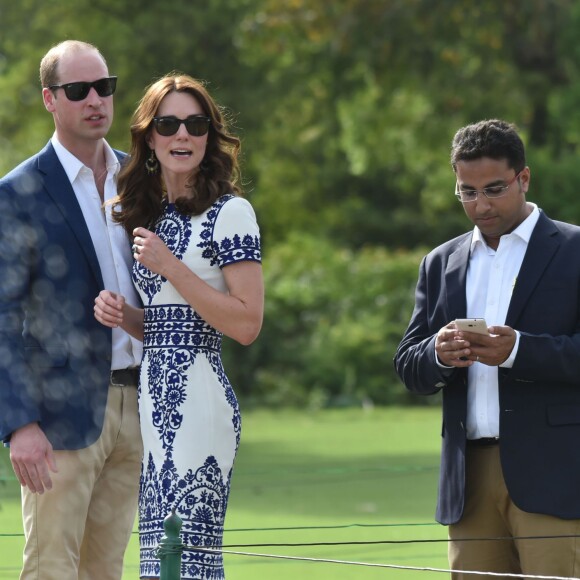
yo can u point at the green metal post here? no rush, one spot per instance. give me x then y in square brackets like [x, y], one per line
[170, 548]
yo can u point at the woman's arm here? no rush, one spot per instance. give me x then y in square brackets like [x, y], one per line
[237, 314]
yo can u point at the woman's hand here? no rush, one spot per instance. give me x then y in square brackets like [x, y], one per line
[151, 251]
[109, 308]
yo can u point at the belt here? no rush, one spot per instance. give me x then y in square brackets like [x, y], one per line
[483, 442]
[125, 377]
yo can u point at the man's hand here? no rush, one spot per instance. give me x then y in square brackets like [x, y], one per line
[32, 456]
[492, 349]
[451, 350]
[458, 348]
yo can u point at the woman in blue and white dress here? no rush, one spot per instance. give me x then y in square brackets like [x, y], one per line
[198, 271]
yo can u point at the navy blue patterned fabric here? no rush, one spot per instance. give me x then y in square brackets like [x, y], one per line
[189, 413]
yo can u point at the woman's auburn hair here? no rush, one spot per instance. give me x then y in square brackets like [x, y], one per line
[140, 195]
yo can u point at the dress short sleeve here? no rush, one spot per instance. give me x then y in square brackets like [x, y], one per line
[236, 235]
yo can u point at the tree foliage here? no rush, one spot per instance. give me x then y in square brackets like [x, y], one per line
[333, 324]
[346, 110]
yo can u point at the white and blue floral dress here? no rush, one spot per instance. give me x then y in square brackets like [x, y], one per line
[190, 419]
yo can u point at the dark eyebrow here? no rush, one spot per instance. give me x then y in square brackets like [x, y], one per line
[495, 183]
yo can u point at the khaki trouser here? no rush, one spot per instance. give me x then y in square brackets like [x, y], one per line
[490, 513]
[79, 530]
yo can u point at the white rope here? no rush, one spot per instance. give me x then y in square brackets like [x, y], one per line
[393, 566]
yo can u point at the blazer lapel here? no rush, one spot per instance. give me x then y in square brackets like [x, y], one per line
[60, 190]
[542, 246]
[455, 279]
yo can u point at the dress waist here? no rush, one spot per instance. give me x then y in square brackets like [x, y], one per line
[178, 326]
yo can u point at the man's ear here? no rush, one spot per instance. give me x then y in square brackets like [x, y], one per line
[525, 179]
[48, 98]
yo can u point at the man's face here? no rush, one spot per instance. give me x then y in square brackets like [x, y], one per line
[80, 122]
[494, 217]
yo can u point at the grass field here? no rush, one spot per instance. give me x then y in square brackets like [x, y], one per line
[348, 475]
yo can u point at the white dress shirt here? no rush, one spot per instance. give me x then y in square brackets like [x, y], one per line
[109, 239]
[491, 278]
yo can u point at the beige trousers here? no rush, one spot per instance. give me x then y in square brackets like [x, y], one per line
[79, 530]
[490, 513]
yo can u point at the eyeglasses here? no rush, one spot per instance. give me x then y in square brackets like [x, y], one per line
[196, 125]
[467, 195]
[78, 91]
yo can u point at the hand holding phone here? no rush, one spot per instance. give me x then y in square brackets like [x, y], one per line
[477, 325]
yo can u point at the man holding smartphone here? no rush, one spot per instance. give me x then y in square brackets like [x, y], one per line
[510, 463]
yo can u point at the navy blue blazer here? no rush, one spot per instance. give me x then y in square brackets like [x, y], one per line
[539, 397]
[55, 358]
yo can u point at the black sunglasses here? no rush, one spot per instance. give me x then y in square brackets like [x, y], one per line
[80, 90]
[196, 125]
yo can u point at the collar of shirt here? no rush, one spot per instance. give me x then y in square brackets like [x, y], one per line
[523, 231]
[72, 165]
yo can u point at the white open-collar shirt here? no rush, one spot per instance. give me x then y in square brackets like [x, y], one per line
[491, 277]
[110, 240]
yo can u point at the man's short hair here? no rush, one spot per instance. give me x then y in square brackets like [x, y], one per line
[50, 61]
[491, 138]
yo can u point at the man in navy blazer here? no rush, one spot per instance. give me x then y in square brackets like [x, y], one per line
[510, 461]
[68, 396]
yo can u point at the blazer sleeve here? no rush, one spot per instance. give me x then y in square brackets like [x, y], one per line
[19, 394]
[415, 359]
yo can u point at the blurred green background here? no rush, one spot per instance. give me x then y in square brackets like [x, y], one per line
[346, 109]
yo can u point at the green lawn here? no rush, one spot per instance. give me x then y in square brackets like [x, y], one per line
[348, 475]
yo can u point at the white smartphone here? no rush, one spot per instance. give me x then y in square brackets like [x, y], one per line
[477, 325]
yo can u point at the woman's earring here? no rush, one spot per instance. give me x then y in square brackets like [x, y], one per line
[152, 164]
